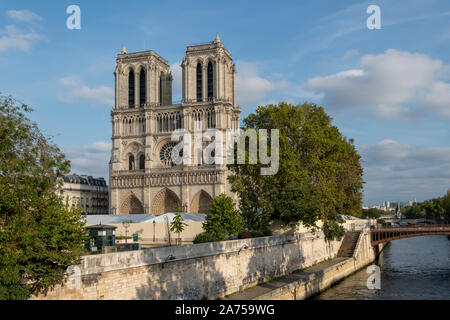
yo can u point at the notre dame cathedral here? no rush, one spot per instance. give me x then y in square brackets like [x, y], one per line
[143, 177]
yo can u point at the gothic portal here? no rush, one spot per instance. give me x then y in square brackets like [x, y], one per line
[143, 177]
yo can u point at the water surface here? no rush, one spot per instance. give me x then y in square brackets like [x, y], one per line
[413, 268]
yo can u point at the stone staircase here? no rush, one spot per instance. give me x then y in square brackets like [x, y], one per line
[348, 244]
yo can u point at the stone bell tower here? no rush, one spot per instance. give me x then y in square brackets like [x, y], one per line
[209, 73]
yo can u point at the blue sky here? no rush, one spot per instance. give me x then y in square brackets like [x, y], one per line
[389, 89]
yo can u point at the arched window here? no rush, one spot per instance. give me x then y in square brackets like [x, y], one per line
[199, 157]
[131, 89]
[210, 81]
[142, 92]
[131, 163]
[199, 82]
[160, 89]
[165, 154]
[142, 162]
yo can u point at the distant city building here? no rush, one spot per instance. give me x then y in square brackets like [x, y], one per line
[382, 207]
[389, 206]
[91, 194]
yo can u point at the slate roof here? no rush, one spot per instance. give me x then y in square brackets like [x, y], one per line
[84, 179]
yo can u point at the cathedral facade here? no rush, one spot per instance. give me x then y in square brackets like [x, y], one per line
[143, 176]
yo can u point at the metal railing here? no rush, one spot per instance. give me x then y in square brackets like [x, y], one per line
[200, 43]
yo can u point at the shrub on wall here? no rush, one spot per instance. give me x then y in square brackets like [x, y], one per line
[223, 219]
[206, 237]
[245, 235]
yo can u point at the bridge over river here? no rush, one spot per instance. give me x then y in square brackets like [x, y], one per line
[386, 234]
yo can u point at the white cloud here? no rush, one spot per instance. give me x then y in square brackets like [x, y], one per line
[80, 92]
[13, 37]
[251, 87]
[69, 81]
[99, 147]
[391, 85]
[91, 160]
[398, 171]
[23, 16]
[22, 38]
[350, 53]
[438, 98]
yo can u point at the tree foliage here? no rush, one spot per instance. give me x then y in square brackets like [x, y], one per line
[223, 219]
[434, 208]
[319, 176]
[437, 208]
[206, 237]
[415, 211]
[177, 225]
[39, 237]
[372, 213]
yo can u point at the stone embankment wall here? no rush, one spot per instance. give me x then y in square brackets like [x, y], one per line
[316, 282]
[208, 270]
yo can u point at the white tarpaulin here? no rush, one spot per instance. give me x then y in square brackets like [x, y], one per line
[141, 218]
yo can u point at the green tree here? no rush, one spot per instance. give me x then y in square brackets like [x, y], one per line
[177, 225]
[413, 212]
[39, 236]
[433, 208]
[223, 219]
[319, 175]
[446, 206]
[372, 213]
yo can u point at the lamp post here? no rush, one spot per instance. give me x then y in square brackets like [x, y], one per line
[126, 224]
[154, 231]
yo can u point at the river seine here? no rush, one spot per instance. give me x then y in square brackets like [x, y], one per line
[414, 268]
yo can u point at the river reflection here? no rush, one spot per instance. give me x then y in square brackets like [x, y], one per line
[414, 268]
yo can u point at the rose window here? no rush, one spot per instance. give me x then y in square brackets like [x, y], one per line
[165, 154]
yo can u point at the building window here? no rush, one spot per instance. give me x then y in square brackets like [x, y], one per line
[142, 92]
[142, 162]
[199, 82]
[131, 89]
[210, 81]
[165, 154]
[131, 163]
[160, 89]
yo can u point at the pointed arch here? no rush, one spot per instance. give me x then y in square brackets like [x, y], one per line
[131, 162]
[141, 162]
[131, 89]
[165, 201]
[142, 87]
[201, 202]
[161, 88]
[131, 205]
[210, 81]
[199, 74]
